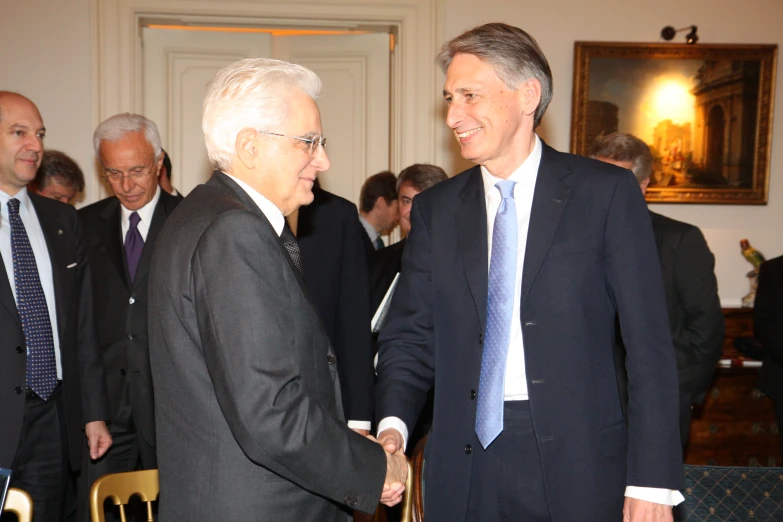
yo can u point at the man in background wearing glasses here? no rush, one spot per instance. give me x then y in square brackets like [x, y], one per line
[121, 231]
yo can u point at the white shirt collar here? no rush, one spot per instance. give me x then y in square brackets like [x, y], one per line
[525, 174]
[22, 196]
[145, 213]
[269, 209]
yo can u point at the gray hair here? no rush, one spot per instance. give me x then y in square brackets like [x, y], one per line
[117, 126]
[514, 54]
[619, 146]
[421, 176]
[250, 94]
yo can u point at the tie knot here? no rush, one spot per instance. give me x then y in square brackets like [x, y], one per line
[134, 219]
[506, 188]
[13, 206]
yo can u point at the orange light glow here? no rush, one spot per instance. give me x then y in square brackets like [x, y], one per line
[273, 32]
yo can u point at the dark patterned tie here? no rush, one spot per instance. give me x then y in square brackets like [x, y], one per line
[379, 243]
[292, 246]
[134, 245]
[33, 311]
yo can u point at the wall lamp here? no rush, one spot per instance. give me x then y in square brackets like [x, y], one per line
[668, 32]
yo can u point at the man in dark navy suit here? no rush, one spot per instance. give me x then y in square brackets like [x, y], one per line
[511, 279]
[53, 391]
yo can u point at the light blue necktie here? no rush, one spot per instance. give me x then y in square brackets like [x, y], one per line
[33, 311]
[500, 306]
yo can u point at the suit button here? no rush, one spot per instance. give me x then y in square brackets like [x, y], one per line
[481, 338]
[330, 359]
[468, 449]
[123, 372]
[19, 349]
[472, 394]
[18, 390]
[131, 300]
[130, 336]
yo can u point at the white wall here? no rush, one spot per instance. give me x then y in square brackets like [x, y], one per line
[46, 55]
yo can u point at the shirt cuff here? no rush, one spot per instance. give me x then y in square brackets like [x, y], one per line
[667, 497]
[360, 425]
[397, 424]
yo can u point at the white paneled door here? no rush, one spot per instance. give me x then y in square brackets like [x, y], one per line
[354, 69]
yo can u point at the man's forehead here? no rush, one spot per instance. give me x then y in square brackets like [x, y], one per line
[16, 110]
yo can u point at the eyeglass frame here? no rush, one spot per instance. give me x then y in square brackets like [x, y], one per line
[313, 142]
[135, 176]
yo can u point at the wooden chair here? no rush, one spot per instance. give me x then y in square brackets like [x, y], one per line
[417, 486]
[120, 487]
[19, 502]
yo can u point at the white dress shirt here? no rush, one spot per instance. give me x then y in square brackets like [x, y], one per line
[42, 259]
[145, 214]
[277, 220]
[516, 380]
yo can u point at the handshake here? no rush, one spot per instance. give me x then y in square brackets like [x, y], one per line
[396, 466]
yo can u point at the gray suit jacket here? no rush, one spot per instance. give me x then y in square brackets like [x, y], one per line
[247, 397]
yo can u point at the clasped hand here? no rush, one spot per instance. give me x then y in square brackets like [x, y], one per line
[396, 471]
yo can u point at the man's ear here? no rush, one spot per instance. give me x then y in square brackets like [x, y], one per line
[644, 185]
[247, 147]
[530, 93]
[158, 165]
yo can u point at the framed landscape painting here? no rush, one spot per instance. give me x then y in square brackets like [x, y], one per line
[704, 110]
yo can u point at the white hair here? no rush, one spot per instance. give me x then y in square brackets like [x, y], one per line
[250, 94]
[114, 128]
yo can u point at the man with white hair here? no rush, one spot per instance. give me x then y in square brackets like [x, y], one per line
[247, 393]
[121, 232]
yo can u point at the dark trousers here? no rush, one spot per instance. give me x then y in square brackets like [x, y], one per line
[506, 480]
[129, 452]
[41, 461]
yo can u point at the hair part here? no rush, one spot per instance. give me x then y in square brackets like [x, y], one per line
[250, 94]
[619, 146]
[513, 53]
[58, 167]
[421, 176]
[117, 126]
[380, 185]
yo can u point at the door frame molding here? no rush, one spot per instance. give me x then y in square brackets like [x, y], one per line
[414, 114]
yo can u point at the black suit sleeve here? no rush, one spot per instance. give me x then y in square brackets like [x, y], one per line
[768, 308]
[697, 289]
[352, 341]
[95, 405]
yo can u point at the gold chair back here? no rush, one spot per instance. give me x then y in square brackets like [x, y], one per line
[120, 487]
[407, 499]
[19, 502]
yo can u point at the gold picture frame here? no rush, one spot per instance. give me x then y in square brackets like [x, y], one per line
[705, 111]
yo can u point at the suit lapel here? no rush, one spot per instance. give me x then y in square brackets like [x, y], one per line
[111, 235]
[220, 178]
[6, 296]
[159, 215]
[52, 228]
[471, 219]
[549, 202]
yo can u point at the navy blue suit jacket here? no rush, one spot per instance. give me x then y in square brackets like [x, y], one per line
[590, 254]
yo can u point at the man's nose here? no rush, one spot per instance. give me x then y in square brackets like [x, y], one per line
[127, 183]
[454, 115]
[321, 160]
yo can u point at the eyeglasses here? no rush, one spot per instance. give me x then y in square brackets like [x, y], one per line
[136, 174]
[314, 142]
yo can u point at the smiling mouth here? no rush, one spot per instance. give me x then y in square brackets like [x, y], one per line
[467, 133]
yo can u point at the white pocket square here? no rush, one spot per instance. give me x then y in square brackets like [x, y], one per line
[71, 265]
